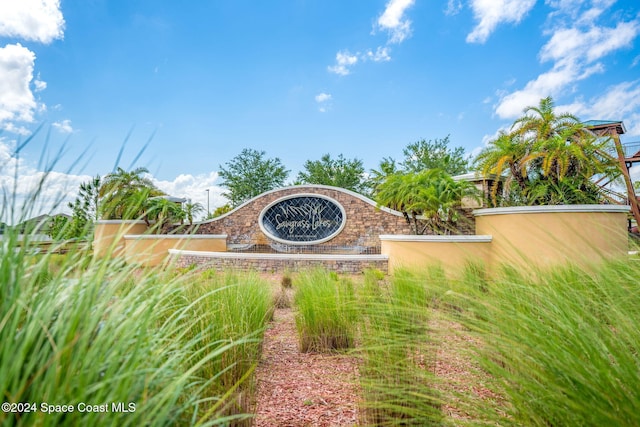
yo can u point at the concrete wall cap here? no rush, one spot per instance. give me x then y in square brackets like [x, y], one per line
[120, 221]
[434, 239]
[552, 209]
[174, 236]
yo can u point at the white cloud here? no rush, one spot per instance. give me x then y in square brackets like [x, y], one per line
[619, 102]
[380, 55]
[491, 13]
[453, 7]
[344, 60]
[63, 126]
[17, 103]
[323, 97]
[323, 100]
[193, 187]
[53, 189]
[546, 84]
[34, 20]
[593, 44]
[576, 52]
[393, 20]
[59, 188]
[39, 85]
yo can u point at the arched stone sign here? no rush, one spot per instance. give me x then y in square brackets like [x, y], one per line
[307, 218]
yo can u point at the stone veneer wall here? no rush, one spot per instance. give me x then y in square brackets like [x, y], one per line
[345, 264]
[364, 221]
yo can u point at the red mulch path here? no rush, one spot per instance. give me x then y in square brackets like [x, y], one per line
[297, 389]
[303, 389]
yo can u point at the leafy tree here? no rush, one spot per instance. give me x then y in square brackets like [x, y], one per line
[59, 228]
[220, 210]
[122, 193]
[552, 158]
[250, 174]
[429, 199]
[340, 172]
[84, 209]
[432, 154]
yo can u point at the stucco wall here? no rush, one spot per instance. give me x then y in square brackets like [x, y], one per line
[109, 236]
[364, 221]
[545, 236]
[452, 253]
[153, 249]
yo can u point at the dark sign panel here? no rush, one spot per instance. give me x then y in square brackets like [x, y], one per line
[302, 219]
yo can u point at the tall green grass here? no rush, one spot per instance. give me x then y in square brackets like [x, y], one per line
[77, 330]
[397, 371]
[563, 347]
[326, 311]
[231, 310]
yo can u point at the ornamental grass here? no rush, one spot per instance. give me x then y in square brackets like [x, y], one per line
[563, 346]
[326, 317]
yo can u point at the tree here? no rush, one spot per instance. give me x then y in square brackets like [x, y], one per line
[84, 209]
[504, 155]
[541, 122]
[340, 172]
[423, 154]
[220, 210]
[250, 174]
[552, 157]
[428, 200]
[122, 193]
[164, 212]
[59, 228]
[191, 209]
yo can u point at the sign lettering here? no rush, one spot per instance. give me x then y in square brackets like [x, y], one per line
[302, 219]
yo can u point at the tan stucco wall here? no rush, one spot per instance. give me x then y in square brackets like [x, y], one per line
[546, 236]
[152, 250]
[109, 236]
[452, 253]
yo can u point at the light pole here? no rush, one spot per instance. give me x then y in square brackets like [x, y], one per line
[208, 210]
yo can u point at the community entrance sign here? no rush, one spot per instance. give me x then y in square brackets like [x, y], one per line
[302, 219]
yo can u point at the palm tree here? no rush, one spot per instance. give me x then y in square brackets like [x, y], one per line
[428, 199]
[387, 168]
[164, 212]
[192, 209]
[544, 123]
[507, 156]
[553, 158]
[121, 191]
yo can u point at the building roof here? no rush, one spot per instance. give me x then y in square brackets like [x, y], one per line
[170, 198]
[601, 124]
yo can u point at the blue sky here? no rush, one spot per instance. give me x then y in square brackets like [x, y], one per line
[295, 78]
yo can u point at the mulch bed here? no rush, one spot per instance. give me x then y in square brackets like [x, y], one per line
[312, 389]
[303, 389]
